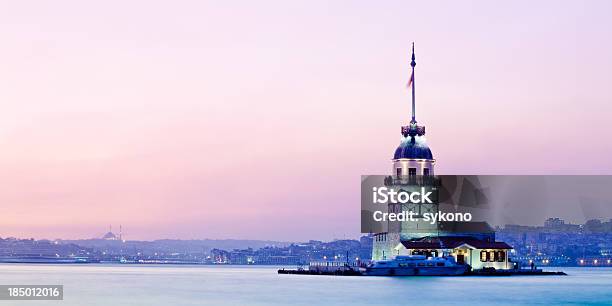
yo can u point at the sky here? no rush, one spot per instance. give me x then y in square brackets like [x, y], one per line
[256, 119]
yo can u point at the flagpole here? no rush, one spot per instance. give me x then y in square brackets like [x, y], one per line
[413, 63]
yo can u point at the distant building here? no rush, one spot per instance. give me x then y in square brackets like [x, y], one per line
[554, 223]
[597, 226]
[219, 256]
[111, 236]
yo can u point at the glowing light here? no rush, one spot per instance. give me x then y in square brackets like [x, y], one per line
[581, 261]
[595, 261]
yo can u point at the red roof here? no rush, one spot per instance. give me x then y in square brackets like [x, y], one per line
[451, 242]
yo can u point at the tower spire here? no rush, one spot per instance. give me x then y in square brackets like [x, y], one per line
[413, 63]
[413, 129]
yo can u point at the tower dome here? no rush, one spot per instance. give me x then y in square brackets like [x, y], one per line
[416, 149]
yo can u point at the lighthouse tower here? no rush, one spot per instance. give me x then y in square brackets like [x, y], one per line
[471, 243]
[413, 163]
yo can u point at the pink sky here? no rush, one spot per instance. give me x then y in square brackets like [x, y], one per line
[178, 119]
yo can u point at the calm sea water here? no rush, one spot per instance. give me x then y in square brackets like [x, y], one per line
[259, 285]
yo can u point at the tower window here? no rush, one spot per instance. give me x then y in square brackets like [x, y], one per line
[412, 175]
[398, 171]
[425, 171]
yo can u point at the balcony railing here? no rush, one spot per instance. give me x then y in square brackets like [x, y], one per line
[412, 180]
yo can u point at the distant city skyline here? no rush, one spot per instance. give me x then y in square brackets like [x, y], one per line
[176, 120]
